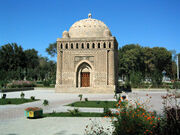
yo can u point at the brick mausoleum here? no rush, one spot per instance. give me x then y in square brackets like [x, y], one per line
[87, 58]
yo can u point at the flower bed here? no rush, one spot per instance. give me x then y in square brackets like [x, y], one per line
[134, 119]
[20, 84]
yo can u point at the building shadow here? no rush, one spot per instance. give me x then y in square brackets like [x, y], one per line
[64, 132]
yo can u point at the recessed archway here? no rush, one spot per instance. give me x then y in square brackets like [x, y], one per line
[83, 75]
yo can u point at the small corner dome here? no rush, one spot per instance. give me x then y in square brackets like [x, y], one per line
[65, 34]
[89, 28]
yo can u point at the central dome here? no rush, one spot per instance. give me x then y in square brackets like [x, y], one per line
[89, 28]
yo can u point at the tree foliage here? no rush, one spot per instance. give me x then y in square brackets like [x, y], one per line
[135, 60]
[18, 64]
[12, 57]
[32, 60]
[52, 49]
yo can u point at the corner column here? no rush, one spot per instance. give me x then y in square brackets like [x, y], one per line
[59, 67]
[111, 68]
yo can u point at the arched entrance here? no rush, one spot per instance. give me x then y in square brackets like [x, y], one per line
[83, 75]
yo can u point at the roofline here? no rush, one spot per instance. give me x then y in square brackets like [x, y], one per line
[86, 39]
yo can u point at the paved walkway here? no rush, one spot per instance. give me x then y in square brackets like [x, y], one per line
[13, 122]
[50, 126]
[57, 102]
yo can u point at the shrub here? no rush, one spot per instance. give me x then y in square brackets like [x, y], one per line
[133, 120]
[74, 112]
[32, 97]
[22, 95]
[156, 79]
[80, 96]
[3, 96]
[45, 102]
[86, 99]
[170, 121]
[3, 84]
[46, 83]
[107, 111]
[125, 87]
[9, 102]
[176, 85]
[39, 82]
[136, 79]
[106, 102]
[145, 85]
[54, 112]
[98, 102]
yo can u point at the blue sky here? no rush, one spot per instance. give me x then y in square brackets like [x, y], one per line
[36, 23]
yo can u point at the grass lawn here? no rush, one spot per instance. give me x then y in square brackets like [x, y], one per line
[94, 104]
[15, 101]
[67, 114]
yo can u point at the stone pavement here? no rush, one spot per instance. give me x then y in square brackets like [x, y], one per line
[13, 122]
[49, 126]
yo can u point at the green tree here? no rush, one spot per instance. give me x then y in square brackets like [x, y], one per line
[130, 59]
[12, 57]
[32, 60]
[174, 70]
[136, 79]
[148, 61]
[162, 59]
[52, 49]
[145, 61]
[32, 64]
[17, 64]
[12, 61]
[47, 69]
[156, 78]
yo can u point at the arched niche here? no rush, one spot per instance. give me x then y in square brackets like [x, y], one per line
[84, 75]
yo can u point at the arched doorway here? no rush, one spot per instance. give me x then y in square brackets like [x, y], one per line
[83, 75]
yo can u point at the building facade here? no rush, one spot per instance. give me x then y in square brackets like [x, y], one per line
[87, 58]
